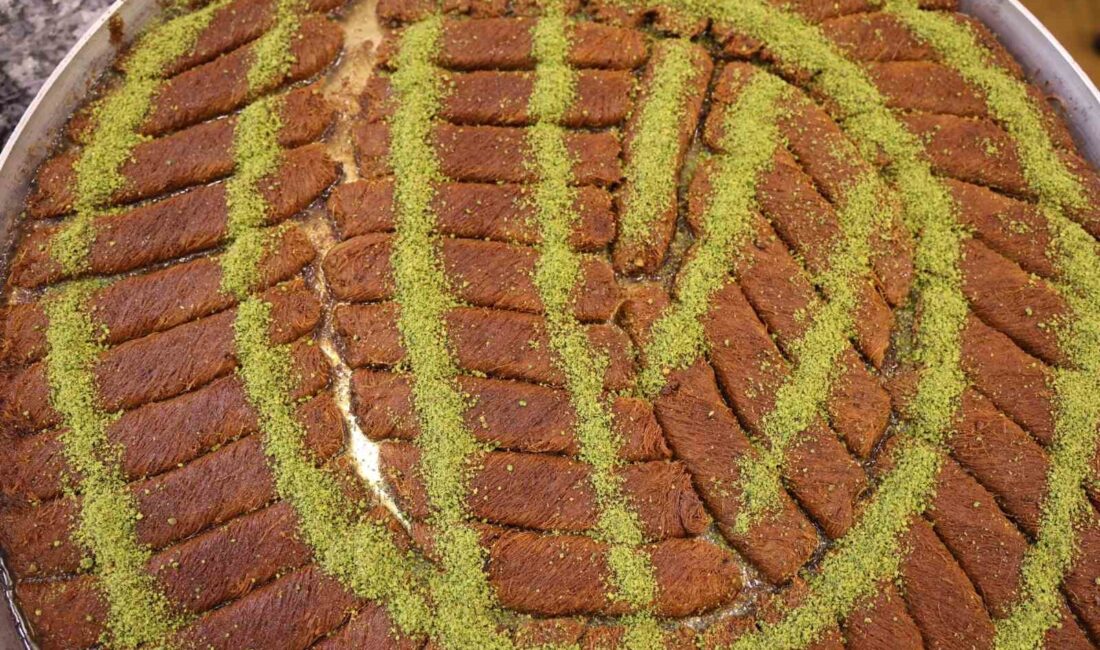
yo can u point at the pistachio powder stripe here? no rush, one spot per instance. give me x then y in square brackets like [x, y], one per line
[359, 551]
[1065, 507]
[465, 604]
[652, 173]
[557, 273]
[751, 138]
[860, 561]
[256, 154]
[1006, 96]
[1077, 412]
[871, 551]
[802, 396]
[117, 119]
[138, 613]
[272, 52]
[1076, 424]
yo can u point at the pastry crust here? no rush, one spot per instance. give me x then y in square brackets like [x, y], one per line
[500, 324]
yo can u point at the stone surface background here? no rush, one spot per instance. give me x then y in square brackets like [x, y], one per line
[34, 36]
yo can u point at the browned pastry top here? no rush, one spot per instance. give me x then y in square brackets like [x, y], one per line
[562, 324]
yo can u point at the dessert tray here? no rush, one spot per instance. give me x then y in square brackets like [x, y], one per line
[553, 324]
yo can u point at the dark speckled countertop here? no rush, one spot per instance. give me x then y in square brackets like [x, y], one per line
[34, 36]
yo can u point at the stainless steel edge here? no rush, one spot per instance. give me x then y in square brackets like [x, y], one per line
[1047, 63]
[1044, 60]
[13, 633]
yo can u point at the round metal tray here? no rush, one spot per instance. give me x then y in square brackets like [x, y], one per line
[1044, 60]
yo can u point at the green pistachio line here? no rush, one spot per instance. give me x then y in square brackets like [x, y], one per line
[256, 154]
[870, 553]
[1006, 96]
[1077, 412]
[354, 548]
[273, 55]
[138, 613]
[652, 174]
[801, 397]
[465, 604]
[117, 119]
[557, 272]
[349, 545]
[861, 560]
[750, 140]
